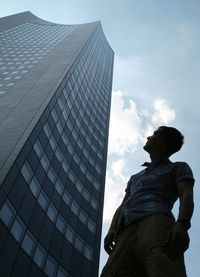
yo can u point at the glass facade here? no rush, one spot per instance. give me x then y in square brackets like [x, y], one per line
[52, 200]
[22, 47]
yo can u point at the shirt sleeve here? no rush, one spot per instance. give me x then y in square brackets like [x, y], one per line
[183, 172]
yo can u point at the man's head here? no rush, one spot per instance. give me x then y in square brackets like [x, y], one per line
[167, 140]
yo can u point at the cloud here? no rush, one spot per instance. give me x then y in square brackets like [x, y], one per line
[125, 129]
[129, 126]
[149, 131]
[117, 167]
[114, 193]
[163, 114]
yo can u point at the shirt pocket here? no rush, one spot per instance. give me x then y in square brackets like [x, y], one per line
[161, 173]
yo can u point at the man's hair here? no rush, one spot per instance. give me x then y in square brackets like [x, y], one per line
[173, 139]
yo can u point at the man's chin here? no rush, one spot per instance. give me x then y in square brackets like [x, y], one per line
[145, 147]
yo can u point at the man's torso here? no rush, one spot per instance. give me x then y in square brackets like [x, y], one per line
[153, 190]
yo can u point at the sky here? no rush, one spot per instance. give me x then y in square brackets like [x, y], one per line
[155, 82]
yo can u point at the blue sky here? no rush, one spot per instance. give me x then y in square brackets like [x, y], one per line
[156, 82]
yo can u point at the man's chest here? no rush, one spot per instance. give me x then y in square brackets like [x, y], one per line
[152, 178]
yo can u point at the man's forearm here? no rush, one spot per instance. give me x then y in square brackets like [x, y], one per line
[111, 237]
[186, 206]
[113, 225]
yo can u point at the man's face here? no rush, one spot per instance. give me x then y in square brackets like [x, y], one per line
[154, 142]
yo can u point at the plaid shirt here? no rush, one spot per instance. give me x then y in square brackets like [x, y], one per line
[153, 190]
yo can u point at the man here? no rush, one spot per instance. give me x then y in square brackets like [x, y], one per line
[144, 240]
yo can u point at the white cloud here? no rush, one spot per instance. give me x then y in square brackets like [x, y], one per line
[124, 125]
[163, 114]
[117, 167]
[149, 131]
[114, 193]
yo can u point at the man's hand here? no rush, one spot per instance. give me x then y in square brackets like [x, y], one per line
[110, 241]
[178, 242]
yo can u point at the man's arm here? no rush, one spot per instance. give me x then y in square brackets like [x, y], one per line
[111, 237]
[179, 241]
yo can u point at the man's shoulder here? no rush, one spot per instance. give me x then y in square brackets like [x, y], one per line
[178, 164]
[183, 170]
[182, 164]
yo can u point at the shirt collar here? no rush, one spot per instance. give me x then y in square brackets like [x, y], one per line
[160, 160]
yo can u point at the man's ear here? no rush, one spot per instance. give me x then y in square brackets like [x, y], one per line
[164, 145]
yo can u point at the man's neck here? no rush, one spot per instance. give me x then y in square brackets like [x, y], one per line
[157, 156]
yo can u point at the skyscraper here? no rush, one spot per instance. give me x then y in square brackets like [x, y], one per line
[55, 93]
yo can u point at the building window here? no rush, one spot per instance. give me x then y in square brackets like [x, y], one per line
[64, 138]
[59, 187]
[91, 226]
[96, 185]
[43, 200]
[52, 212]
[47, 130]
[69, 125]
[98, 168]
[67, 198]
[59, 155]
[80, 144]
[38, 148]
[70, 234]
[45, 162]
[88, 140]
[53, 143]
[64, 114]
[39, 256]
[59, 127]
[27, 172]
[70, 149]
[83, 217]
[60, 103]
[88, 252]
[62, 273]
[91, 160]
[79, 186]
[94, 204]
[51, 174]
[86, 195]
[18, 229]
[78, 123]
[29, 243]
[60, 224]
[86, 153]
[72, 176]
[76, 159]
[75, 208]
[100, 155]
[50, 267]
[82, 168]
[79, 243]
[54, 115]
[7, 213]
[65, 93]
[90, 177]
[74, 134]
[35, 186]
[65, 166]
